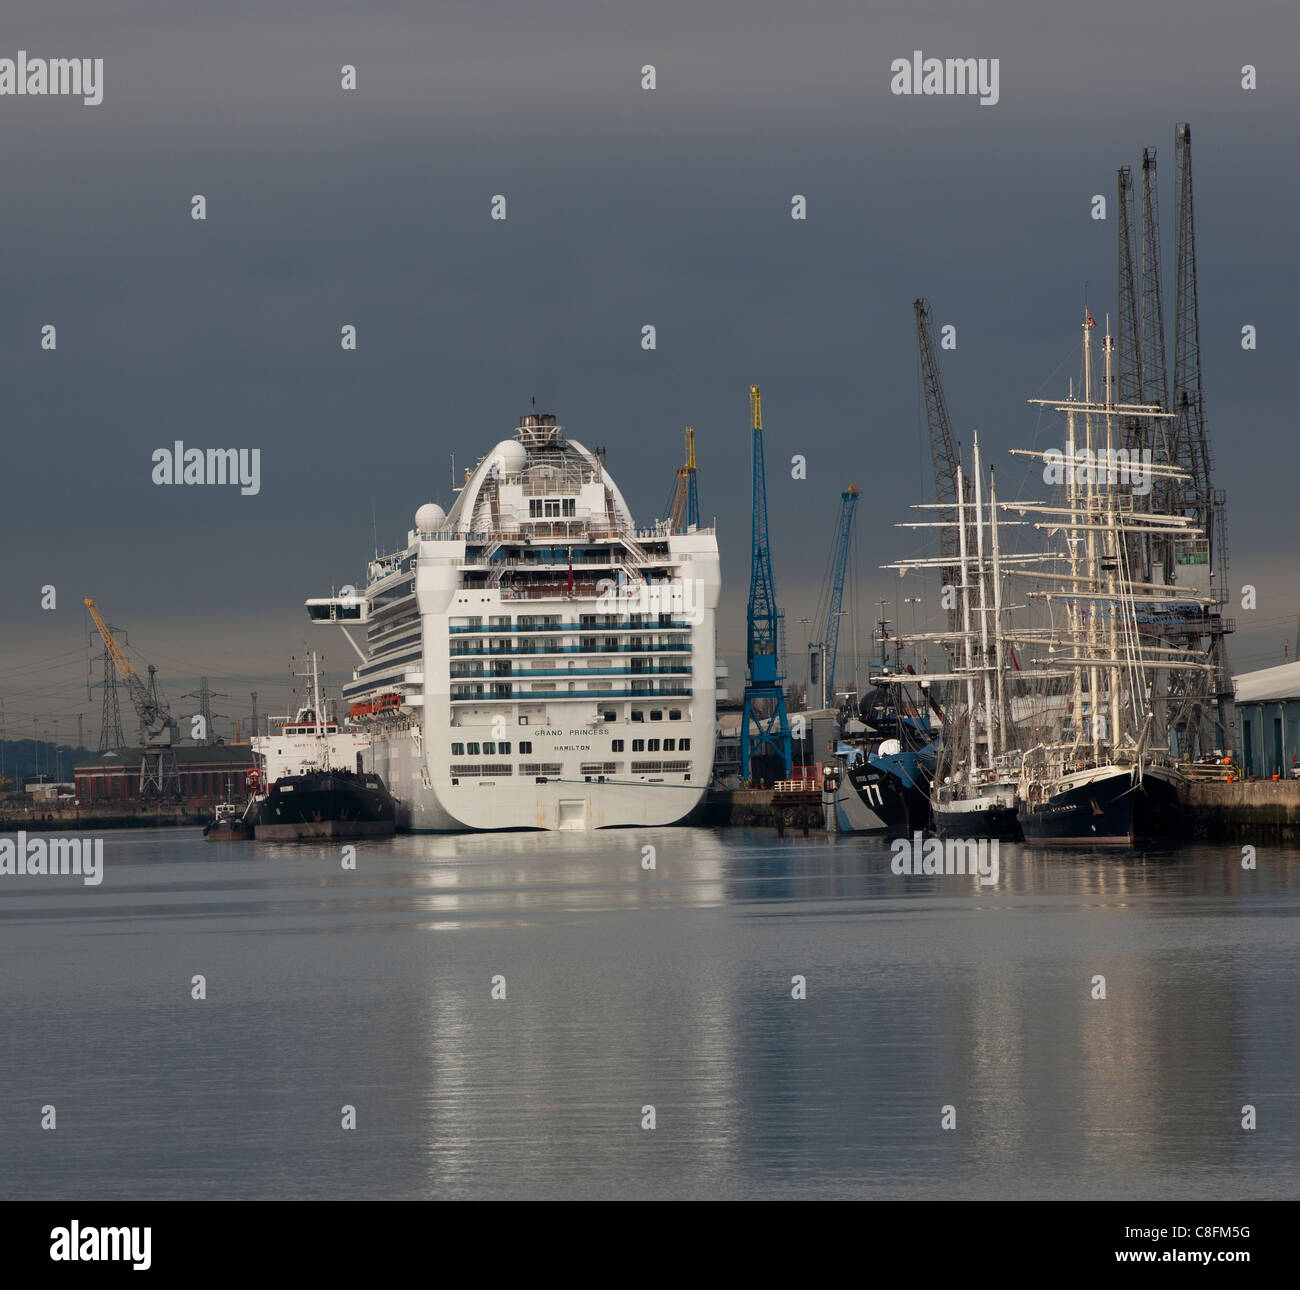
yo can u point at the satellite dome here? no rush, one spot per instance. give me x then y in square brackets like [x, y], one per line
[429, 517]
[509, 457]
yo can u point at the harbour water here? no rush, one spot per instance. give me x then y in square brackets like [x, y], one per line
[628, 987]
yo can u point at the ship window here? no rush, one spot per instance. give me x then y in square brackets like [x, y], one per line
[637, 714]
[570, 506]
[638, 745]
[458, 750]
[525, 745]
[674, 714]
[552, 508]
[653, 746]
[684, 745]
[616, 745]
[489, 750]
[656, 714]
[471, 750]
[609, 715]
[670, 745]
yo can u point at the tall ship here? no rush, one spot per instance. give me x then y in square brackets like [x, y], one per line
[531, 659]
[974, 793]
[1100, 779]
[310, 781]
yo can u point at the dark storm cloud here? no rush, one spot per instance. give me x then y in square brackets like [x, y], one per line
[625, 208]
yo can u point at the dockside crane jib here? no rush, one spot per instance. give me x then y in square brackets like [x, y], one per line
[158, 728]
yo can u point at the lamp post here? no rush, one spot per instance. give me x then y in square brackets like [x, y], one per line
[807, 660]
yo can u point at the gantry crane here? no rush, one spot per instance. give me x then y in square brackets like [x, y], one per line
[1201, 730]
[1197, 706]
[828, 647]
[764, 705]
[944, 457]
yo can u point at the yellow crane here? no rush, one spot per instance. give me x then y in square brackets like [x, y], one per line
[684, 510]
[156, 724]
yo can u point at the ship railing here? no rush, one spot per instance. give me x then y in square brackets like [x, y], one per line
[571, 629]
[493, 692]
[1219, 772]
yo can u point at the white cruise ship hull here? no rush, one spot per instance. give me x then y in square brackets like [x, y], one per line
[533, 659]
[496, 804]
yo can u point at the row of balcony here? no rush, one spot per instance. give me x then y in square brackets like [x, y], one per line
[510, 693]
[572, 628]
[530, 649]
[581, 671]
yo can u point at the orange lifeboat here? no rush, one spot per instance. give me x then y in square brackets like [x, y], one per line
[360, 710]
[386, 703]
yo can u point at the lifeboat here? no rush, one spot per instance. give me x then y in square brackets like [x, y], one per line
[361, 710]
[386, 703]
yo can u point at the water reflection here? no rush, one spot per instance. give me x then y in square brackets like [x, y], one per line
[628, 986]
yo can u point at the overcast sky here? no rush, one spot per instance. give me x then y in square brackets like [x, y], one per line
[625, 208]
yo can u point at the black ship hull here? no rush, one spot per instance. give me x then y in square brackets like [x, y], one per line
[980, 821]
[329, 804]
[1111, 810]
[228, 831]
[902, 808]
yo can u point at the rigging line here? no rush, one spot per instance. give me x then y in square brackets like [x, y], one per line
[1132, 638]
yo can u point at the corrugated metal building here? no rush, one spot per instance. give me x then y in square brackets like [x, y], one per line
[1268, 716]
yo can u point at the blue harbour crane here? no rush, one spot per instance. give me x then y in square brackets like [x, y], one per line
[764, 706]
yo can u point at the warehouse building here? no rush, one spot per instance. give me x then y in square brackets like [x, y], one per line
[1268, 716]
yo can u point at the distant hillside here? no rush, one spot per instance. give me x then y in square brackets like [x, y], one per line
[22, 758]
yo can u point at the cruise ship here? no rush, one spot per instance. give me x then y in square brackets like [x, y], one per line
[532, 659]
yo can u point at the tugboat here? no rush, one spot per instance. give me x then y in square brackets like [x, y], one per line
[313, 782]
[228, 824]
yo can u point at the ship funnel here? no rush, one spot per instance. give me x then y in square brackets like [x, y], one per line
[538, 429]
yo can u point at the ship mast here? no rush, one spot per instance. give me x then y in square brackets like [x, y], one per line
[965, 614]
[1091, 508]
[1072, 609]
[322, 738]
[1112, 534]
[984, 621]
[997, 614]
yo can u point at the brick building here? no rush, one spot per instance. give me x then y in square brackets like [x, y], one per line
[208, 774]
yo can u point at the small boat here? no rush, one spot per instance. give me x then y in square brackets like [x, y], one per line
[984, 808]
[228, 825]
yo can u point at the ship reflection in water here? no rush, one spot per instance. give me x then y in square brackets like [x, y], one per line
[628, 986]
